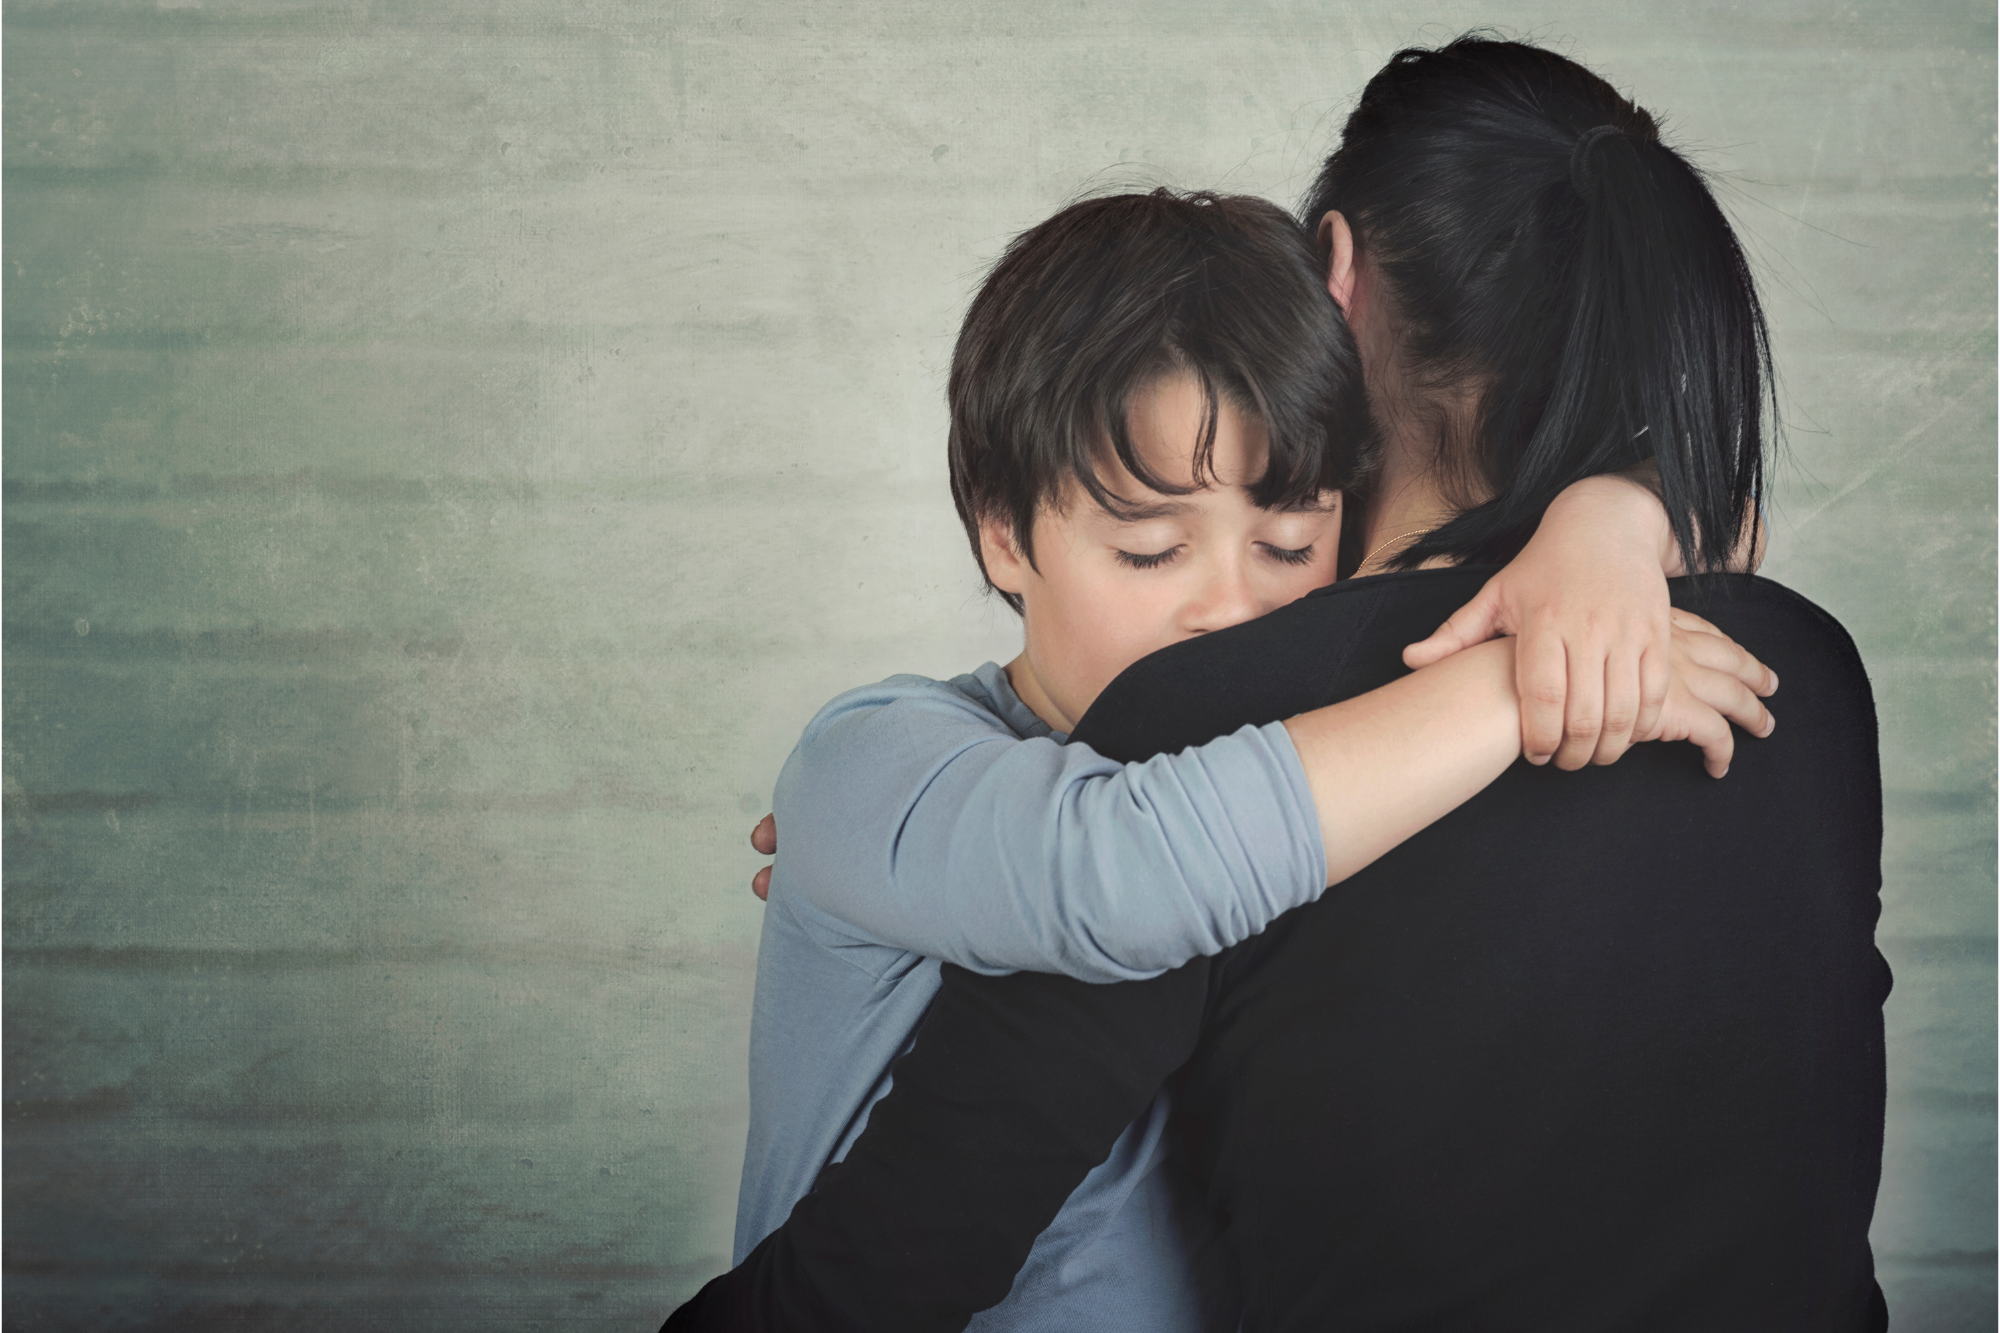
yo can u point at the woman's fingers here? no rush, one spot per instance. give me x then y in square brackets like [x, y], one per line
[764, 839]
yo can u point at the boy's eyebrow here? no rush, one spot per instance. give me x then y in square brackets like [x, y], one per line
[1140, 513]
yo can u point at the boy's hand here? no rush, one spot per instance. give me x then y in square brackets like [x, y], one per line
[765, 839]
[1588, 599]
[1714, 682]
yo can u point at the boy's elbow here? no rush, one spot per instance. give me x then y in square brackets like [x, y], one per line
[1114, 951]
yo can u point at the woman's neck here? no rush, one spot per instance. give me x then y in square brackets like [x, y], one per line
[1407, 500]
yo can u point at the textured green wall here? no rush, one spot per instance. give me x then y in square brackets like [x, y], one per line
[451, 447]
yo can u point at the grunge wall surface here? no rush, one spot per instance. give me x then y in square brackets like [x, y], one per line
[451, 448]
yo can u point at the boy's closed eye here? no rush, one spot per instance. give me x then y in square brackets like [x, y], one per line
[1147, 560]
[1301, 555]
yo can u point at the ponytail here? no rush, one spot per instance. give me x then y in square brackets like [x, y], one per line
[1537, 238]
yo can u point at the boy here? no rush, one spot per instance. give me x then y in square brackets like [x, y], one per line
[1154, 407]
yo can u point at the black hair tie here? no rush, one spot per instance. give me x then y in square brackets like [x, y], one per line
[1581, 178]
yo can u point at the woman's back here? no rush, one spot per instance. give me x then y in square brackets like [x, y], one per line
[1597, 1050]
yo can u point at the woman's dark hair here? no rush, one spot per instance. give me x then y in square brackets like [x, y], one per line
[1110, 295]
[1542, 248]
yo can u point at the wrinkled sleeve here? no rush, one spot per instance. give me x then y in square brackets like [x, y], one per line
[1016, 1088]
[911, 816]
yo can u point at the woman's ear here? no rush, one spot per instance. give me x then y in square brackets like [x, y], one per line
[1006, 566]
[1336, 242]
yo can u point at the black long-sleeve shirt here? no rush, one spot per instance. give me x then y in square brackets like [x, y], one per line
[1598, 1050]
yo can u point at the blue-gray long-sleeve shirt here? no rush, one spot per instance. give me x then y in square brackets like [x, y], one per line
[925, 820]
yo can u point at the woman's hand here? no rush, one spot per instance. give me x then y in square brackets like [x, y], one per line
[1712, 683]
[1588, 599]
[765, 839]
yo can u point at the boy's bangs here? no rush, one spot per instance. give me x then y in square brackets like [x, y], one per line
[1110, 432]
[1302, 461]
[1298, 468]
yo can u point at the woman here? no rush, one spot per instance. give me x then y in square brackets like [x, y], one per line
[1542, 293]
[1542, 289]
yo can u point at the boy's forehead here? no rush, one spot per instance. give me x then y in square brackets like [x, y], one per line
[1138, 511]
[1140, 504]
[1172, 438]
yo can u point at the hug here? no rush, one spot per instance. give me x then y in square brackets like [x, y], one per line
[1206, 967]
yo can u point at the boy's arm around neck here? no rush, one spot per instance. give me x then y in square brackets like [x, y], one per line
[914, 818]
[1394, 760]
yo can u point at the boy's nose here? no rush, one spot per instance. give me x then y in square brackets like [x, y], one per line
[1226, 599]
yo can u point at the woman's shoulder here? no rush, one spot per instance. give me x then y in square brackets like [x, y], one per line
[1782, 626]
[1287, 662]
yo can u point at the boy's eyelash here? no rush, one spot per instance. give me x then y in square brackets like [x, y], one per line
[1303, 555]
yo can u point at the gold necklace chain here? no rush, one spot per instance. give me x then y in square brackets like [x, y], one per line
[1413, 532]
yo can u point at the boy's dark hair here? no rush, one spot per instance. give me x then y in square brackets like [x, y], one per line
[1538, 241]
[1111, 294]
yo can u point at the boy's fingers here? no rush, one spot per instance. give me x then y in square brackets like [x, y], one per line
[1621, 707]
[1691, 623]
[1541, 670]
[1758, 676]
[1710, 730]
[1583, 710]
[1696, 631]
[1752, 672]
[1475, 622]
[760, 884]
[1654, 674]
[1734, 700]
[1719, 652]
